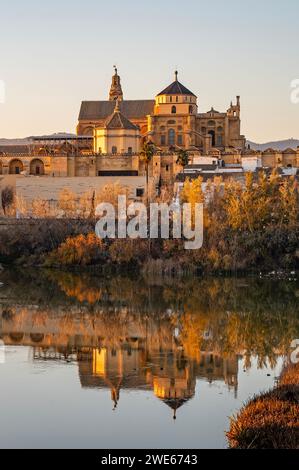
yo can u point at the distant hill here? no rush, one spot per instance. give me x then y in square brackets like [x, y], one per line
[276, 145]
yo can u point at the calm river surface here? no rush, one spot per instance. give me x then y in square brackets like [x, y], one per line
[87, 362]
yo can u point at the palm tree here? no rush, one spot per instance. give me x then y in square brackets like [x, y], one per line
[183, 158]
[146, 155]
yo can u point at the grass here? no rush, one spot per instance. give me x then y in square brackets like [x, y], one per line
[271, 420]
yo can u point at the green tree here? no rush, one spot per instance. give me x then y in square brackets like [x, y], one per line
[183, 158]
[146, 155]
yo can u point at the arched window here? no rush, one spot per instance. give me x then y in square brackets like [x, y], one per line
[219, 140]
[212, 134]
[173, 110]
[171, 137]
[180, 139]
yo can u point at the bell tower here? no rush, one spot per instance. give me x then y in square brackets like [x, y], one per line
[116, 92]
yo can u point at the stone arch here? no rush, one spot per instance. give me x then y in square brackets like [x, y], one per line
[88, 130]
[37, 337]
[15, 166]
[37, 167]
[16, 337]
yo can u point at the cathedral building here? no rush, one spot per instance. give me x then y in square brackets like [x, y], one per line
[110, 135]
[172, 120]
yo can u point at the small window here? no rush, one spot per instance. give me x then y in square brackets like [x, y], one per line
[171, 137]
[180, 139]
[114, 150]
[211, 123]
[130, 150]
[177, 99]
[163, 140]
[139, 192]
[190, 109]
[171, 123]
[167, 167]
[170, 99]
[173, 110]
[219, 140]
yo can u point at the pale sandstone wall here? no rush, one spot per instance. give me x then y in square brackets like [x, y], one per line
[48, 188]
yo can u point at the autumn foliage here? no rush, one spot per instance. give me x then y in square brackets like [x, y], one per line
[246, 227]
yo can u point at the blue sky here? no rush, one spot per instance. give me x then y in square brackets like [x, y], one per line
[56, 54]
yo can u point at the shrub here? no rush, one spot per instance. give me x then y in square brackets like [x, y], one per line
[81, 250]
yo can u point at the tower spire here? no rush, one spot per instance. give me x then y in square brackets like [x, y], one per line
[176, 75]
[116, 109]
[116, 92]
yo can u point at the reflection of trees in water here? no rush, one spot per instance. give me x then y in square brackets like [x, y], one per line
[230, 315]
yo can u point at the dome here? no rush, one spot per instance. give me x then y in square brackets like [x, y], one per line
[176, 88]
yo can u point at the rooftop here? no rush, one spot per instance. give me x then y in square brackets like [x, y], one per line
[176, 88]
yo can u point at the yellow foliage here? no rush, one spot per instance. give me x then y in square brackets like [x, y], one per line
[80, 250]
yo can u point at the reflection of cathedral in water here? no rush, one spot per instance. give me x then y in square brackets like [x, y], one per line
[168, 373]
[128, 354]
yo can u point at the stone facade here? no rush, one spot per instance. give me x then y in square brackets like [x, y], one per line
[171, 120]
[111, 134]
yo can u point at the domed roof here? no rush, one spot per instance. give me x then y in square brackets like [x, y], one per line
[176, 88]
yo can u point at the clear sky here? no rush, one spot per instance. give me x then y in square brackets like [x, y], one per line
[55, 54]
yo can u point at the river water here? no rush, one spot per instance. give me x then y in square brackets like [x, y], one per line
[129, 362]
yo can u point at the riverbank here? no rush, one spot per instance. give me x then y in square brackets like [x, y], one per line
[255, 227]
[271, 420]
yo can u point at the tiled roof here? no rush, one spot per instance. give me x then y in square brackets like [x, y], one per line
[133, 109]
[14, 149]
[176, 88]
[118, 121]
